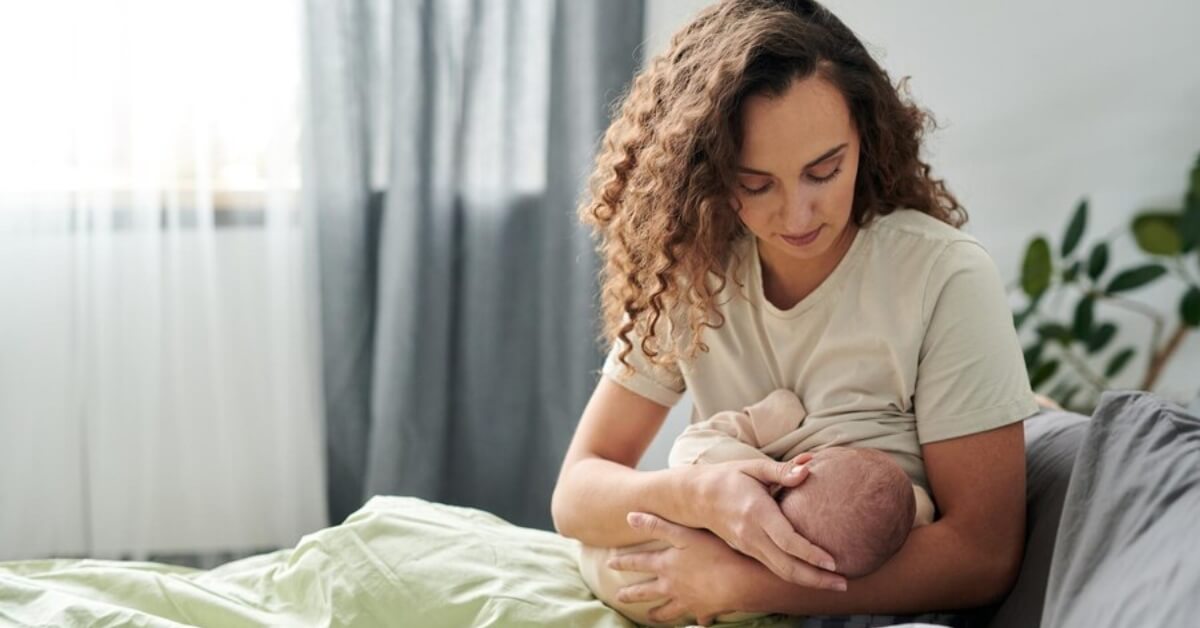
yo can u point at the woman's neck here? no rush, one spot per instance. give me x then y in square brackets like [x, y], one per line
[788, 281]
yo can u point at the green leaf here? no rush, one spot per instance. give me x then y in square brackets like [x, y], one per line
[1189, 224]
[1033, 355]
[1118, 362]
[1059, 390]
[1192, 197]
[1075, 228]
[1098, 261]
[1189, 227]
[1085, 313]
[1035, 271]
[1157, 233]
[1135, 278]
[1043, 373]
[1100, 337]
[1071, 272]
[1054, 331]
[1189, 307]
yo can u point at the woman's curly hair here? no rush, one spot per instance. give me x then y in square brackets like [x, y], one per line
[661, 196]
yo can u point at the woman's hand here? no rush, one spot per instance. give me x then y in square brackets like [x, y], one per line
[697, 576]
[738, 507]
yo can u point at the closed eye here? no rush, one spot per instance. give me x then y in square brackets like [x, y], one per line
[754, 191]
[825, 179]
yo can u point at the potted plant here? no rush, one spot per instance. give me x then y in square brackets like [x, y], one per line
[1073, 355]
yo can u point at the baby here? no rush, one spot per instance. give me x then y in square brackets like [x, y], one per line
[857, 504]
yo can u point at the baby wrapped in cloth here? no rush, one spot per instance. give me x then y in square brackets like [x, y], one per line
[857, 503]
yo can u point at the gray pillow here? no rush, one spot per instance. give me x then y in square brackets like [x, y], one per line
[1128, 547]
[1052, 438]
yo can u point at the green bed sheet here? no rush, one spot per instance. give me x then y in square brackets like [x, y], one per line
[396, 562]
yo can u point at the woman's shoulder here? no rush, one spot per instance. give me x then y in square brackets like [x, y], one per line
[924, 253]
[908, 240]
[916, 227]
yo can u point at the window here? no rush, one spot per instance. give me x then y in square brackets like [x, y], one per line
[136, 105]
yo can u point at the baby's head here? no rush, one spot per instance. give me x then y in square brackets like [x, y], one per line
[857, 504]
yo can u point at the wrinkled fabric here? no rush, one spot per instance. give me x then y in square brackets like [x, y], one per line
[1128, 547]
[398, 561]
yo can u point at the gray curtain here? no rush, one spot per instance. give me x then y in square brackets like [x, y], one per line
[448, 143]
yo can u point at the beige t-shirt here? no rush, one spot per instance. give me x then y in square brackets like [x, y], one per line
[909, 341]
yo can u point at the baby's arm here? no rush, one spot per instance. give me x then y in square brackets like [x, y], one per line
[721, 438]
[739, 435]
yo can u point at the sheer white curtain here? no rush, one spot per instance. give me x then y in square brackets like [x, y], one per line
[158, 372]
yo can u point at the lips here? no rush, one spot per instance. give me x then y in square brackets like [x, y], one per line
[802, 239]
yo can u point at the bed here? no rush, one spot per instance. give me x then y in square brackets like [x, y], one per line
[1113, 506]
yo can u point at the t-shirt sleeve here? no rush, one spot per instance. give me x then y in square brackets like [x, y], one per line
[970, 374]
[663, 385]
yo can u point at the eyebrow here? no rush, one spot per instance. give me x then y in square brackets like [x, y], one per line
[826, 155]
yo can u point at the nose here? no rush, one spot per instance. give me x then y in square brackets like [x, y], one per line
[798, 210]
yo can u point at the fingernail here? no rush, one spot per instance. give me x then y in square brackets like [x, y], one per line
[829, 565]
[635, 519]
[838, 586]
[796, 470]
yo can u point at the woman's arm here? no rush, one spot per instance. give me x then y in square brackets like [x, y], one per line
[598, 485]
[968, 558]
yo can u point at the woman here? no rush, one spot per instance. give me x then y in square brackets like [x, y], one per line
[766, 221]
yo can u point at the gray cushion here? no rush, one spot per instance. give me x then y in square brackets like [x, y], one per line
[1052, 438]
[1128, 547]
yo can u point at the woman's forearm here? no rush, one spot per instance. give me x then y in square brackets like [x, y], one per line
[594, 495]
[939, 568]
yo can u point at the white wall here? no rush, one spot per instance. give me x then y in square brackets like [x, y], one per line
[1041, 104]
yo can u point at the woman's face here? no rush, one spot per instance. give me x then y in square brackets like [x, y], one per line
[796, 171]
